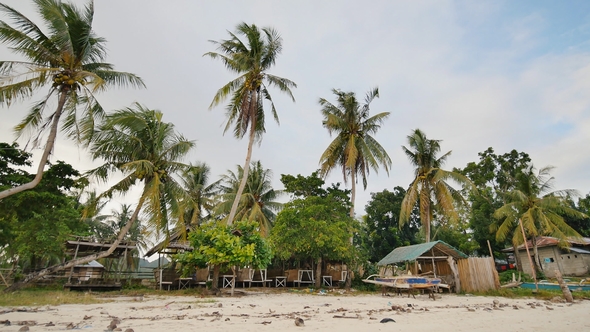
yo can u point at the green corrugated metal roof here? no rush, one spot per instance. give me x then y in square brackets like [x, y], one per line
[410, 253]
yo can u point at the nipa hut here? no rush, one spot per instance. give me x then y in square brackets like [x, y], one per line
[433, 258]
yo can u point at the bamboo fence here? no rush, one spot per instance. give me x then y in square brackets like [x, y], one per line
[478, 274]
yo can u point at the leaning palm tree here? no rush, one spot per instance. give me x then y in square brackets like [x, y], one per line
[251, 60]
[69, 59]
[430, 189]
[258, 200]
[538, 210]
[353, 149]
[148, 152]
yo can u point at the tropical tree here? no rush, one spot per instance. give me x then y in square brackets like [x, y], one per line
[201, 198]
[538, 210]
[430, 189]
[258, 200]
[353, 149]
[35, 224]
[69, 59]
[251, 60]
[314, 224]
[148, 152]
[493, 175]
[228, 246]
[381, 228]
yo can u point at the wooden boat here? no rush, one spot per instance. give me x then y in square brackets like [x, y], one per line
[404, 282]
[546, 285]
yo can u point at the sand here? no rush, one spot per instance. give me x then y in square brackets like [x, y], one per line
[259, 311]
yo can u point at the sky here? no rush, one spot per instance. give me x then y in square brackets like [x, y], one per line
[474, 74]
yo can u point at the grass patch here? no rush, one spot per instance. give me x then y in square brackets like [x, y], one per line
[41, 297]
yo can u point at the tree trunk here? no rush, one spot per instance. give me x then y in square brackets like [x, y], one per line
[233, 284]
[352, 193]
[39, 274]
[526, 246]
[45, 156]
[234, 207]
[566, 291]
[425, 206]
[318, 273]
[215, 281]
[538, 264]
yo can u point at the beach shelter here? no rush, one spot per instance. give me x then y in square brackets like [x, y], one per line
[433, 258]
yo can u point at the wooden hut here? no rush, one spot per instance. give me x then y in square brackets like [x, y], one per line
[91, 275]
[433, 258]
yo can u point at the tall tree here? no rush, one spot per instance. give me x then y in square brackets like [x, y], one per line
[35, 224]
[258, 200]
[354, 149]
[381, 224]
[493, 175]
[148, 152]
[251, 60]
[69, 59]
[315, 224]
[201, 199]
[430, 189]
[540, 210]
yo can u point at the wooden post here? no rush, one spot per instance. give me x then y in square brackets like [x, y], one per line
[566, 291]
[490, 248]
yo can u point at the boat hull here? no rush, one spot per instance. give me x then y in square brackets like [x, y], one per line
[554, 286]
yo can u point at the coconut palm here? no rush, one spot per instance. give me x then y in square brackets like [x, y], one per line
[257, 201]
[251, 60]
[201, 197]
[430, 189]
[353, 149]
[148, 152]
[69, 60]
[540, 210]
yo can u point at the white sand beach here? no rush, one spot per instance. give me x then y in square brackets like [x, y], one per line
[258, 311]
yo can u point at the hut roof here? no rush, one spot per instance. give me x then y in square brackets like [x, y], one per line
[172, 244]
[548, 241]
[83, 247]
[411, 253]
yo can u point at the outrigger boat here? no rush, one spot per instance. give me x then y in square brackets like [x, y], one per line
[405, 282]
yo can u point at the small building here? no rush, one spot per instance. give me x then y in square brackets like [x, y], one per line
[573, 261]
[437, 258]
[90, 270]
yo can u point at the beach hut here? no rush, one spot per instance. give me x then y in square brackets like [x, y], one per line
[435, 258]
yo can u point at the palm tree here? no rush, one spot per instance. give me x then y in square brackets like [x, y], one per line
[257, 202]
[245, 112]
[136, 142]
[201, 198]
[353, 149]
[69, 60]
[429, 188]
[539, 211]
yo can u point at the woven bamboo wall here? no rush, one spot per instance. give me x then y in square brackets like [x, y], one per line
[478, 274]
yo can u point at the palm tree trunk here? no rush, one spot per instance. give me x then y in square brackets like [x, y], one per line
[234, 207]
[538, 265]
[45, 156]
[352, 193]
[425, 204]
[39, 274]
[526, 246]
